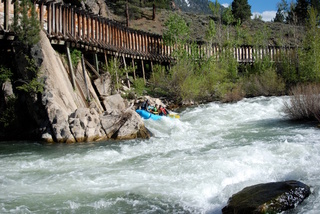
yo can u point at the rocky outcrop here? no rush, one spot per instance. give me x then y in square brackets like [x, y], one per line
[267, 198]
[95, 6]
[71, 117]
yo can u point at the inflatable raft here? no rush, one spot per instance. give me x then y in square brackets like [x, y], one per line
[147, 115]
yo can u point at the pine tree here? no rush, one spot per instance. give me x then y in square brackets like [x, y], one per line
[279, 16]
[241, 10]
[26, 24]
[177, 30]
[316, 5]
[282, 12]
[301, 10]
[310, 65]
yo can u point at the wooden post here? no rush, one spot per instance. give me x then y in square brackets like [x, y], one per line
[134, 69]
[85, 77]
[83, 26]
[41, 15]
[6, 15]
[125, 68]
[143, 73]
[71, 68]
[49, 18]
[127, 14]
[96, 62]
[105, 59]
[151, 66]
[116, 69]
[154, 12]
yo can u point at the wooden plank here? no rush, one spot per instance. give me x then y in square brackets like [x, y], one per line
[92, 68]
[125, 67]
[85, 77]
[71, 67]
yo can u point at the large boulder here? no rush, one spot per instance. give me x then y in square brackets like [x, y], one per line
[59, 125]
[128, 125]
[103, 85]
[98, 7]
[267, 198]
[114, 104]
[85, 125]
[133, 127]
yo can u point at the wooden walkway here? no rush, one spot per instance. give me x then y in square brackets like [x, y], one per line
[66, 24]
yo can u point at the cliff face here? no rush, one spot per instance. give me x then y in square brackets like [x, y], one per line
[69, 116]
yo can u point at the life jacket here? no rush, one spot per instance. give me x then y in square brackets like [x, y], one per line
[163, 111]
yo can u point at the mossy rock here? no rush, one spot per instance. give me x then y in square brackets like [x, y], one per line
[267, 198]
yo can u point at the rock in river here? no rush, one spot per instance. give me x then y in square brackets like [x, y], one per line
[267, 198]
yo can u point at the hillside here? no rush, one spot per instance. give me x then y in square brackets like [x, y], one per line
[279, 34]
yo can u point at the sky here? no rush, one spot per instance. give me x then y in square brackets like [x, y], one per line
[266, 8]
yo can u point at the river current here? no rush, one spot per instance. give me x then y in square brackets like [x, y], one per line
[191, 165]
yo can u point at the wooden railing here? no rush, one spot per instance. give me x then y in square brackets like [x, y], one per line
[65, 23]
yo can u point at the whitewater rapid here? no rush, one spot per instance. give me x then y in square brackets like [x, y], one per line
[191, 165]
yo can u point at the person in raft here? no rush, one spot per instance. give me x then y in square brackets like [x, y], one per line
[153, 109]
[162, 111]
[145, 105]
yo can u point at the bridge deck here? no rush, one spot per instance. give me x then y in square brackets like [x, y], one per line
[67, 24]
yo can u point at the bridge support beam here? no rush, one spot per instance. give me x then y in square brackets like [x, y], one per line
[6, 15]
[71, 68]
[85, 77]
[125, 68]
[143, 72]
[134, 69]
[96, 62]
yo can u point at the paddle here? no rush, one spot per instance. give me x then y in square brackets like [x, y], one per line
[177, 116]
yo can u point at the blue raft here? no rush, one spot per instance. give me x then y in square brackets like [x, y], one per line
[147, 115]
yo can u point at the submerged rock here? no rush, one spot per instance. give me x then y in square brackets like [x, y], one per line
[267, 198]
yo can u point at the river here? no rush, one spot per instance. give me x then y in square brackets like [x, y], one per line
[191, 165]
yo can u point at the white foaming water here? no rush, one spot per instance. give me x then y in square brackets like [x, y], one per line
[191, 165]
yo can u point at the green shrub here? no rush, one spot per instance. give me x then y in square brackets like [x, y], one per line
[265, 83]
[304, 103]
[139, 86]
[75, 57]
[287, 68]
[5, 74]
[8, 115]
[33, 84]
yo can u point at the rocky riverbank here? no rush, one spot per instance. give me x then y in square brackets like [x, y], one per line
[66, 114]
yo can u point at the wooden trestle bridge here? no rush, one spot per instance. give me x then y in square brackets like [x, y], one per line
[68, 25]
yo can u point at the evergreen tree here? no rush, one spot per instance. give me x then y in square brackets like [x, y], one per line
[282, 12]
[228, 19]
[292, 17]
[310, 65]
[316, 5]
[301, 10]
[241, 10]
[279, 17]
[26, 24]
[177, 30]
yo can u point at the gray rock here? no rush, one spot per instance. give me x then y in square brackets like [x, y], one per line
[96, 6]
[103, 85]
[129, 125]
[114, 104]
[267, 198]
[85, 125]
[60, 125]
[133, 127]
[7, 90]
